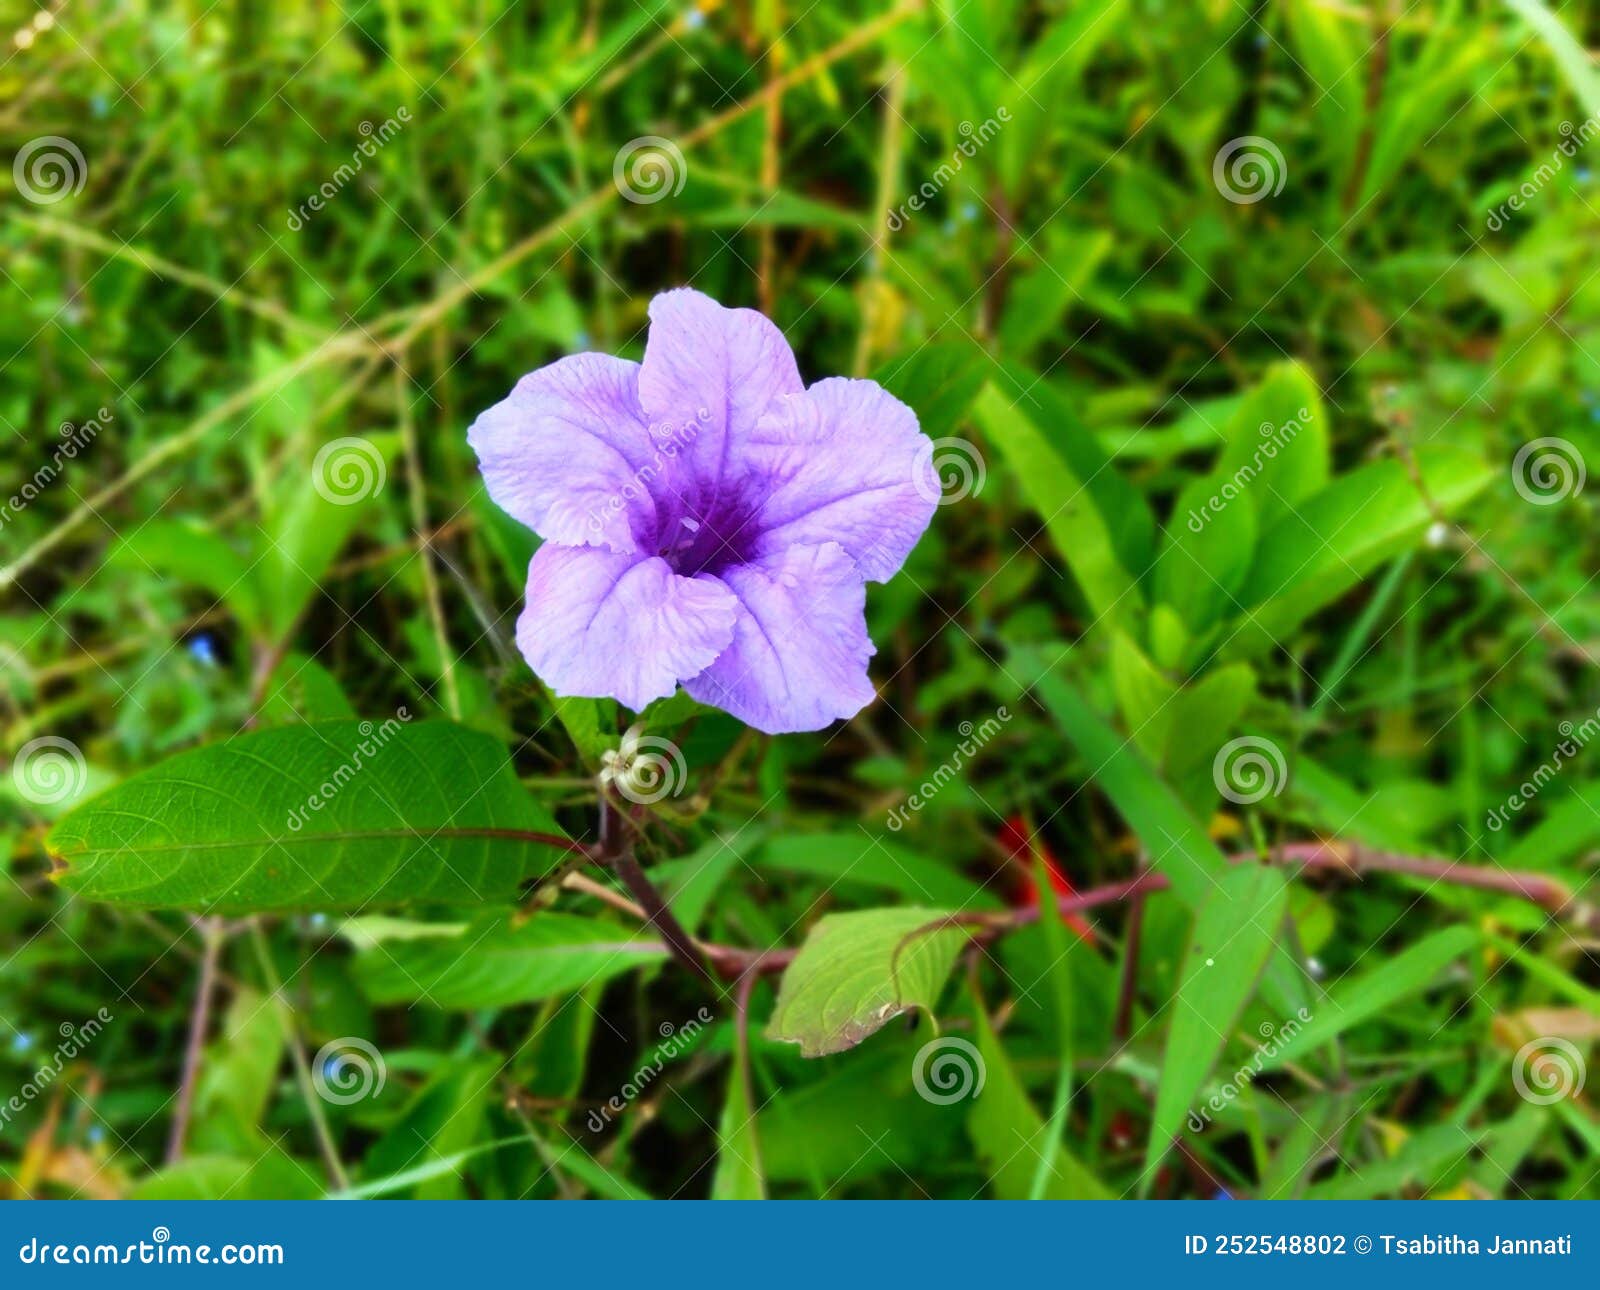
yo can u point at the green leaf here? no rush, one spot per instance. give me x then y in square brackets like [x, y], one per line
[858, 971]
[444, 1119]
[938, 382]
[1177, 844]
[1575, 63]
[739, 1175]
[1210, 543]
[1009, 1133]
[273, 1176]
[1063, 473]
[1277, 444]
[1171, 833]
[1324, 547]
[337, 815]
[309, 516]
[580, 718]
[1233, 937]
[872, 861]
[1390, 979]
[500, 964]
[191, 551]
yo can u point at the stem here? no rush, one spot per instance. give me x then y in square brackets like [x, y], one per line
[302, 1070]
[211, 935]
[1129, 987]
[732, 961]
[617, 852]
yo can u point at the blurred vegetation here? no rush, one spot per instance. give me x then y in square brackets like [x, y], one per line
[1395, 609]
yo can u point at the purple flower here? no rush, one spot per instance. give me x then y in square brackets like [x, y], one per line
[707, 519]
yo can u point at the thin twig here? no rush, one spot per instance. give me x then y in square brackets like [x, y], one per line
[616, 852]
[302, 1068]
[211, 936]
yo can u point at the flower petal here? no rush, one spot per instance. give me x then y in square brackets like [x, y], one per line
[603, 624]
[799, 654]
[844, 462]
[709, 374]
[566, 453]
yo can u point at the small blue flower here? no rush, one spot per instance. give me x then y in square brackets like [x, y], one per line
[694, 19]
[96, 1135]
[1222, 1193]
[203, 649]
[21, 1042]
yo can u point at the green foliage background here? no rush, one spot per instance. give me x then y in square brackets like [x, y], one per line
[1398, 615]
